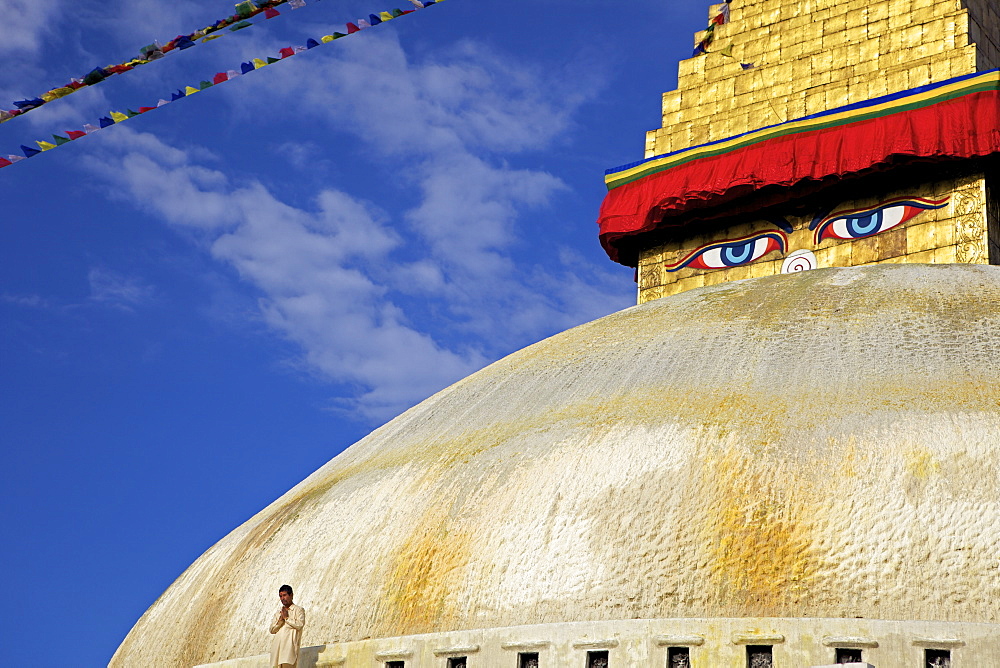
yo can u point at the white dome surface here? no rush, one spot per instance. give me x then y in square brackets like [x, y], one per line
[823, 444]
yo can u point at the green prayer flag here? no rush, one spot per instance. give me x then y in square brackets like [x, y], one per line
[60, 140]
[271, 60]
[205, 84]
[245, 9]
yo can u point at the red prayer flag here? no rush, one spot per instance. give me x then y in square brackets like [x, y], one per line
[220, 77]
[4, 162]
[143, 110]
[271, 12]
[287, 51]
[75, 134]
[351, 28]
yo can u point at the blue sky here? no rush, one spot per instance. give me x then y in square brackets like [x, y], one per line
[201, 306]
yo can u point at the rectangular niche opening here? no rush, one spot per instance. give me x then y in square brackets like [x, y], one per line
[395, 664]
[527, 660]
[457, 662]
[759, 656]
[845, 655]
[598, 659]
[678, 657]
[937, 658]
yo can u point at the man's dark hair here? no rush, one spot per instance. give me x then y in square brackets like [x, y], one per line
[287, 588]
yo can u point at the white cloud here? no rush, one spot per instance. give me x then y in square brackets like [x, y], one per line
[28, 301]
[115, 289]
[25, 23]
[391, 305]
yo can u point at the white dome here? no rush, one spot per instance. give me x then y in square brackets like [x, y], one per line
[823, 444]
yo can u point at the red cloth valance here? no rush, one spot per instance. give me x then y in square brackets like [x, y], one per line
[962, 127]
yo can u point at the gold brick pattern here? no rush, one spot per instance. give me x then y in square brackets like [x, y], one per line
[814, 55]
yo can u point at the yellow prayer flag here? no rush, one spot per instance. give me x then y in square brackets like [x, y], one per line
[728, 51]
[385, 16]
[258, 63]
[44, 145]
[118, 116]
[327, 38]
[188, 90]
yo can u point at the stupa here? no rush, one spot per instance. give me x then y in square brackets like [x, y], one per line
[787, 454]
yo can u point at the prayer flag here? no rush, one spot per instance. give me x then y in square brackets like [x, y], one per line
[176, 96]
[351, 28]
[246, 67]
[88, 128]
[105, 122]
[15, 158]
[118, 116]
[44, 145]
[271, 12]
[4, 162]
[286, 52]
[258, 63]
[374, 20]
[28, 151]
[75, 134]
[297, 4]
[94, 76]
[386, 16]
[220, 77]
[59, 141]
[245, 9]
[27, 105]
[190, 90]
[310, 43]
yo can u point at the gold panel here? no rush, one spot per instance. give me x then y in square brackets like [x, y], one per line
[954, 232]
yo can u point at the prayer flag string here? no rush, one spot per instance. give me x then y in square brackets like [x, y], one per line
[245, 10]
[115, 117]
[708, 36]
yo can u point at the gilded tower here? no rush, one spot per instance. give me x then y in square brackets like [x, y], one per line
[764, 66]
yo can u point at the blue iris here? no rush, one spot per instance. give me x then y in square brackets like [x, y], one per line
[863, 225]
[737, 253]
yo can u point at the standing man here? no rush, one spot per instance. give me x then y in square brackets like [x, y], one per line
[287, 630]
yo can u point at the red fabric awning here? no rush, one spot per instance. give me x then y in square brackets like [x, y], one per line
[964, 126]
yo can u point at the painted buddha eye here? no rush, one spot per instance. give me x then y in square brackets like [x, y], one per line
[861, 223]
[732, 252]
